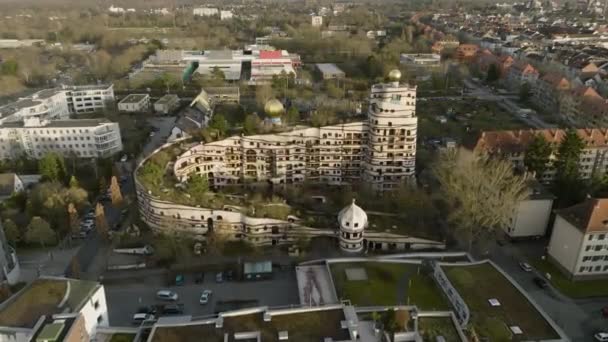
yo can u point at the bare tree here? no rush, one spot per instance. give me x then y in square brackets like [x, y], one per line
[73, 217]
[115, 192]
[101, 222]
[483, 193]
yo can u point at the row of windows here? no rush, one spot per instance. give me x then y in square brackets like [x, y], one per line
[597, 236]
[598, 268]
[596, 248]
[61, 139]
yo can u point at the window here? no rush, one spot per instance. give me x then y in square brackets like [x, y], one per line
[590, 237]
[96, 305]
[601, 236]
[99, 319]
[597, 268]
[582, 269]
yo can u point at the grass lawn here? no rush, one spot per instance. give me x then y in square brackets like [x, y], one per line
[479, 283]
[382, 286]
[574, 289]
[122, 338]
[432, 327]
[42, 297]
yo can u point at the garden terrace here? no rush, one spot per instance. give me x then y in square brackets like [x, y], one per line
[432, 327]
[479, 283]
[388, 283]
[301, 327]
[43, 297]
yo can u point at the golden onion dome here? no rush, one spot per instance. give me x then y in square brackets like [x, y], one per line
[394, 75]
[274, 108]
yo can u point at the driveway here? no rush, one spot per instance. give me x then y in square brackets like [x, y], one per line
[164, 124]
[124, 299]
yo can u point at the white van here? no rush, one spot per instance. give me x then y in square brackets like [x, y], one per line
[138, 318]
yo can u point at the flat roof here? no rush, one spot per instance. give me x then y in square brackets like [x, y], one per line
[329, 68]
[60, 123]
[134, 98]
[45, 296]
[167, 98]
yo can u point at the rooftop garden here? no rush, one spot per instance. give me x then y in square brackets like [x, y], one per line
[42, 297]
[388, 284]
[301, 327]
[478, 284]
[122, 338]
[432, 327]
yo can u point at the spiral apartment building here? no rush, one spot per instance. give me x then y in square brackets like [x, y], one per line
[380, 150]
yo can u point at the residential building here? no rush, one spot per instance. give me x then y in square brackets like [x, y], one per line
[84, 138]
[577, 102]
[421, 60]
[9, 264]
[226, 15]
[166, 104]
[76, 297]
[227, 61]
[531, 216]
[10, 184]
[549, 91]
[272, 63]
[205, 11]
[466, 52]
[445, 44]
[513, 144]
[223, 94]
[579, 240]
[135, 103]
[67, 327]
[19, 43]
[380, 150]
[316, 21]
[330, 71]
[91, 98]
[522, 73]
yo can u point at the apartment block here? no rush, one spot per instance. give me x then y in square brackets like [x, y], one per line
[135, 103]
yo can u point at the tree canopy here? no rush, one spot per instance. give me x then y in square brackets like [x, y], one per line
[538, 155]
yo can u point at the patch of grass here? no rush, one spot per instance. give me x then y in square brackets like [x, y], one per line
[574, 289]
[42, 297]
[479, 283]
[122, 338]
[382, 285]
[432, 327]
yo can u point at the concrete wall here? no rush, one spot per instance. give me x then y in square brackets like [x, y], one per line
[77, 332]
[95, 307]
[565, 245]
[530, 219]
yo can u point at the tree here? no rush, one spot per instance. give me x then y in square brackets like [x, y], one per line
[263, 93]
[198, 187]
[481, 192]
[100, 221]
[524, 92]
[219, 123]
[12, 233]
[218, 74]
[75, 268]
[115, 192]
[73, 219]
[333, 90]
[52, 167]
[493, 73]
[169, 81]
[40, 232]
[568, 183]
[74, 182]
[538, 155]
[251, 124]
[292, 116]
[9, 67]
[323, 117]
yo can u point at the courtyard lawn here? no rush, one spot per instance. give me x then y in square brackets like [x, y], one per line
[477, 284]
[388, 284]
[122, 337]
[574, 289]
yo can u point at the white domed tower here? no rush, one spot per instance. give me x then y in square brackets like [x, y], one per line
[392, 122]
[353, 221]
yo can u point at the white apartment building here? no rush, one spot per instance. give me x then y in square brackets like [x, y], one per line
[316, 21]
[426, 60]
[226, 15]
[205, 11]
[59, 103]
[579, 242]
[380, 150]
[166, 104]
[513, 145]
[531, 216]
[84, 138]
[134, 103]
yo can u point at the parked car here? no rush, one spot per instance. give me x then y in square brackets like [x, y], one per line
[179, 280]
[601, 336]
[219, 277]
[540, 282]
[147, 310]
[167, 295]
[124, 158]
[205, 297]
[173, 309]
[525, 266]
[139, 318]
[199, 278]
[229, 275]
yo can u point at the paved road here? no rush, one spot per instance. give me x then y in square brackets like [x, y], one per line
[124, 299]
[164, 125]
[579, 319]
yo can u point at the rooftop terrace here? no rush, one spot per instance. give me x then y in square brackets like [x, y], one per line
[133, 98]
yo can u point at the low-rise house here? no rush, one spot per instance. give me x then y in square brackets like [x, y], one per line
[531, 216]
[466, 52]
[23, 314]
[573, 102]
[166, 104]
[330, 71]
[420, 60]
[10, 183]
[223, 94]
[316, 21]
[580, 238]
[135, 103]
[549, 90]
[522, 73]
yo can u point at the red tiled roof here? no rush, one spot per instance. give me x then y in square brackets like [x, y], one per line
[267, 54]
[589, 216]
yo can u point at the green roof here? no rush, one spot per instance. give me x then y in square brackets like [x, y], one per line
[50, 332]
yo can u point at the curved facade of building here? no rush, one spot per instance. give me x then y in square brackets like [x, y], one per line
[381, 150]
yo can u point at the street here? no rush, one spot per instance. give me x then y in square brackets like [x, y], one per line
[124, 299]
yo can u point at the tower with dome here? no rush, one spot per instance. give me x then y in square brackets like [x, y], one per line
[274, 109]
[353, 221]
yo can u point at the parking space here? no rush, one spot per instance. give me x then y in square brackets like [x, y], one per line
[124, 299]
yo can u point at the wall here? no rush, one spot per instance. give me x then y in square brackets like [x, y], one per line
[531, 219]
[77, 332]
[91, 314]
[565, 244]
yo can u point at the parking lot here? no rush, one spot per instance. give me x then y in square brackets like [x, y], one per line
[124, 299]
